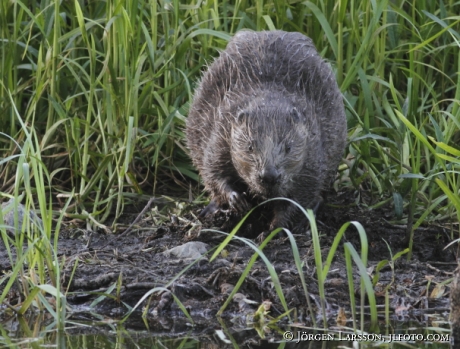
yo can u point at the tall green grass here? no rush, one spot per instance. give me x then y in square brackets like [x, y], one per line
[31, 248]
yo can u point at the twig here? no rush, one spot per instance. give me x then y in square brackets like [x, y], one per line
[139, 216]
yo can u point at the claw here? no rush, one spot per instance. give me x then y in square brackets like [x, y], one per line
[317, 205]
[237, 201]
[209, 210]
[234, 198]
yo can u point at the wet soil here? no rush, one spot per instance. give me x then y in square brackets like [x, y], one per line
[135, 259]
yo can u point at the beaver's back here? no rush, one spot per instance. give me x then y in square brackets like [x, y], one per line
[252, 59]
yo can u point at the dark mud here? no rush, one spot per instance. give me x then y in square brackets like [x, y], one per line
[136, 260]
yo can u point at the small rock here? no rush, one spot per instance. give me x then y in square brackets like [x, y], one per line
[192, 249]
[8, 215]
[226, 288]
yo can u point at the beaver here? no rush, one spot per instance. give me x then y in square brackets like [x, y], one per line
[267, 120]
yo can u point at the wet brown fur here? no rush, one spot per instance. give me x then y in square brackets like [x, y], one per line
[267, 120]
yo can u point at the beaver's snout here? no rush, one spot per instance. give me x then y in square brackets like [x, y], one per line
[269, 176]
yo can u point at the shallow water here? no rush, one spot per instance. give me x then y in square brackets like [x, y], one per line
[40, 332]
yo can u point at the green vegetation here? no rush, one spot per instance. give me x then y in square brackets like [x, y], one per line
[94, 96]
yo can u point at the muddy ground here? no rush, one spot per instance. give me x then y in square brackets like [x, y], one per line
[137, 256]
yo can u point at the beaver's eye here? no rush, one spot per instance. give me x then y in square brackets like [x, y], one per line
[251, 146]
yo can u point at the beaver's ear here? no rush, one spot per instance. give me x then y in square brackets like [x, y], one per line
[296, 116]
[242, 116]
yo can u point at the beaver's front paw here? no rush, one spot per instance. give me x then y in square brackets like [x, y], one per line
[238, 201]
[230, 199]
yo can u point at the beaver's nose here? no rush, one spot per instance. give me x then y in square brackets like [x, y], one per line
[270, 175]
